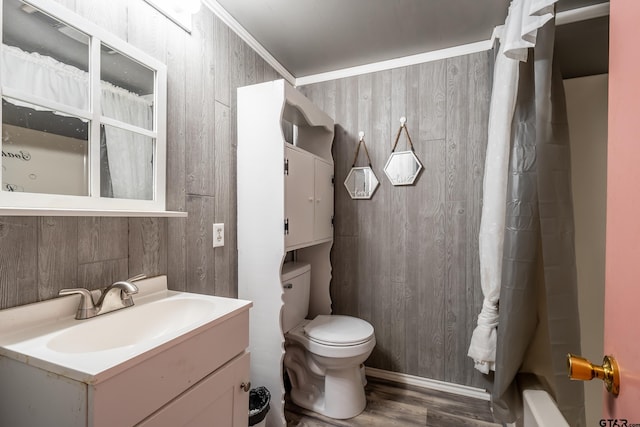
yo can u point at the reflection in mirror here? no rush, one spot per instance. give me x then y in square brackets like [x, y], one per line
[35, 44]
[402, 168]
[43, 152]
[47, 119]
[127, 89]
[45, 85]
[127, 156]
[361, 182]
[127, 172]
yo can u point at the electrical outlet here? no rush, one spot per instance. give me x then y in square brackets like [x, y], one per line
[218, 235]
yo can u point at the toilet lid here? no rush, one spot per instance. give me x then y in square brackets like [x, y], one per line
[338, 330]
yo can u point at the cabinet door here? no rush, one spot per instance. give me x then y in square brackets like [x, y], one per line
[298, 197]
[323, 227]
[216, 401]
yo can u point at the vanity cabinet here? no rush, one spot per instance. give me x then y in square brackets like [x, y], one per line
[195, 379]
[217, 400]
[285, 205]
[198, 374]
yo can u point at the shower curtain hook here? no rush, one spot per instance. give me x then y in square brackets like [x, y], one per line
[403, 121]
[361, 135]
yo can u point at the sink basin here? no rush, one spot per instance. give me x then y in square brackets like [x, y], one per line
[47, 335]
[129, 327]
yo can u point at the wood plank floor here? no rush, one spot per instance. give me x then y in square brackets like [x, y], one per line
[391, 404]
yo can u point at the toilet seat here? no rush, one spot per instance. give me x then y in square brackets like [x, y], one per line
[339, 331]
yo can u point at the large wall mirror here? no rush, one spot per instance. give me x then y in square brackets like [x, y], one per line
[83, 115]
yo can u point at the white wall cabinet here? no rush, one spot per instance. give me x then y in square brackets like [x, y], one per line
[323, 213]
[308, 198]
[285, 203]
[298, 197]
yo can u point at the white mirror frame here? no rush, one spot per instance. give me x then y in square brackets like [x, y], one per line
[397, 157]
[14, 203]
[371, 186]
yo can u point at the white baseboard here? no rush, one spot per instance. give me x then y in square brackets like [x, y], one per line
[461, 390]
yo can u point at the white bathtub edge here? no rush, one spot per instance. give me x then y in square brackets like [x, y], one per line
[540, 410]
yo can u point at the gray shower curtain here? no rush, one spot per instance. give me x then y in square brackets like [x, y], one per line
[538, 312]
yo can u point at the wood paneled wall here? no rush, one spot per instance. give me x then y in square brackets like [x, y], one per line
[407, 260]
[41, 255]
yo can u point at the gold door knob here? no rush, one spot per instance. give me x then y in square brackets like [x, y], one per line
[581, 369]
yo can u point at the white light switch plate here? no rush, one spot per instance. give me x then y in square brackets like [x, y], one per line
[218, 235]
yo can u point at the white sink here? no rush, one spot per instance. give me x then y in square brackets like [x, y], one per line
[47, 335]
[130, 327]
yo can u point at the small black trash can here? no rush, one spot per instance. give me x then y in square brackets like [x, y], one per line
[258, 406]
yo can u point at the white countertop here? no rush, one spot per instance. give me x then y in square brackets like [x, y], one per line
[44, 334]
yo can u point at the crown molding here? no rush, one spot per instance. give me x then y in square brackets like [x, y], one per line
[237, 28]
[404, 61]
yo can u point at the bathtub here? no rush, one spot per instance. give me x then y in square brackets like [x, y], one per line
[540, 409]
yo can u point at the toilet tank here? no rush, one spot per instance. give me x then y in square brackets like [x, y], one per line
[296, 284]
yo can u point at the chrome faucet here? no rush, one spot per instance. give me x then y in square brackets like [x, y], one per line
[113, 297]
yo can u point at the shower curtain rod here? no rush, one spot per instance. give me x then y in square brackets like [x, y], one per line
[582, 13]
[568, 17]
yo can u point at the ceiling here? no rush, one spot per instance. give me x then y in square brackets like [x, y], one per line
[314, 36]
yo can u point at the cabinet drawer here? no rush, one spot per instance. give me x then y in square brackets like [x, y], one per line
[216, 401]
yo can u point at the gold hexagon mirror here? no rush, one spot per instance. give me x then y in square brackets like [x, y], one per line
[403, 167]
[361, 182]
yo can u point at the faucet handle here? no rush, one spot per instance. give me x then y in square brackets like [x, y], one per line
[86, 299]
[86, 308]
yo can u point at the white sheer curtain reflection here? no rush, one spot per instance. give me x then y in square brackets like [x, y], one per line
[519, 32]
[44, 77]
[130, 155]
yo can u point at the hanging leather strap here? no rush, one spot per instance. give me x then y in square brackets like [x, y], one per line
[355, 158]
[395, 144]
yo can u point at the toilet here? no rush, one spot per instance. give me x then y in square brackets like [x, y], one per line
[323, 356]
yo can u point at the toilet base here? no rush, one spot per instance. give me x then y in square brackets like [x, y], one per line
[344, 393]
[341, 396]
